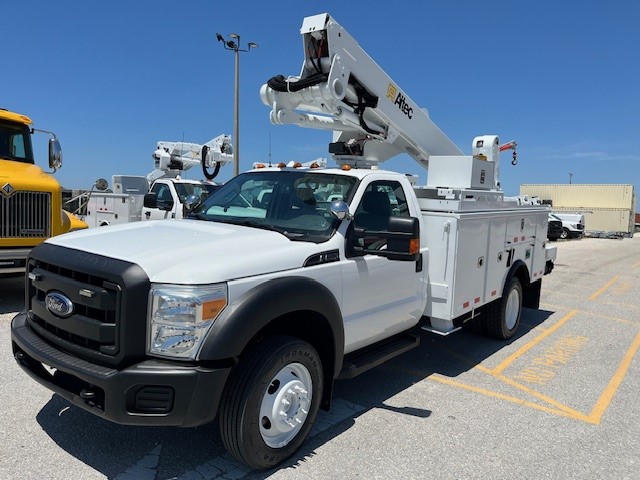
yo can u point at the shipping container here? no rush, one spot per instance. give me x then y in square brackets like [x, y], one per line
[583, 195]
[614, 221]
[608, 208]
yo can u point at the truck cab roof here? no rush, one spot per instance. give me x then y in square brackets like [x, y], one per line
[14, 117]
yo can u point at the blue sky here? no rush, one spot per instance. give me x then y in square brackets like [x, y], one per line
[562, 78]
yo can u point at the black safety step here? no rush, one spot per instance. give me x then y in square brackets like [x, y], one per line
[369, 357]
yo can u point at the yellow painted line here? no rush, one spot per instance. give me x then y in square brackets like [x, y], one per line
[528, 346]
[519, 401]
[596, 315]
[581, 297]
[560, 406]
[481, 368]
[608, 393]
[607, 285]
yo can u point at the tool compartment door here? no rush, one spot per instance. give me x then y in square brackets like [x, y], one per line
[471, 265]
[496, 259]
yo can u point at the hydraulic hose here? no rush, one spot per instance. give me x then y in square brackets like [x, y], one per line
[280, 84]
[203, 162]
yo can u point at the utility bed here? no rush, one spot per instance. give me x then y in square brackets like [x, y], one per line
[474, 238]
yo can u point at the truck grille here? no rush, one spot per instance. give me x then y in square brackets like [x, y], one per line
[102, 292]
[25, 215]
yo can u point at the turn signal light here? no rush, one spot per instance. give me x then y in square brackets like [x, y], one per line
[414, 246]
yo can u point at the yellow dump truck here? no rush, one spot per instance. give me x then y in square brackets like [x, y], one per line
[30, 199]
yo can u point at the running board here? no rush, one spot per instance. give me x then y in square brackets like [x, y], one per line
[369, 357]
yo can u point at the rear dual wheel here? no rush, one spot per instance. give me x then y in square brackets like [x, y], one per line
[502, 317]
[271, 401]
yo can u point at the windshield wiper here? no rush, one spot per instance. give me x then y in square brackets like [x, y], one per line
[199, 216]
[262, 226]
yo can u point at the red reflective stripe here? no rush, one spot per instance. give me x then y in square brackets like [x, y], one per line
[465, 305]
[493, 294]
[477, 300]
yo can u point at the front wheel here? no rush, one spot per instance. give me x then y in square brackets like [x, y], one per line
[271, 401]
[565, 233]
[502, 317]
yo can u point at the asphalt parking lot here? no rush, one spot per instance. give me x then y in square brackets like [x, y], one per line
[559, 401]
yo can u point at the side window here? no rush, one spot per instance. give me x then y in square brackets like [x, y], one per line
[380, 201]
[383, 199]
[17, 146]
[163, 194]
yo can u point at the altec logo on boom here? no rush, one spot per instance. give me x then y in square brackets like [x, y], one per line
[398, 98]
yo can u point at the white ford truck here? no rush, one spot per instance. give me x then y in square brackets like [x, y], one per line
[287, 277]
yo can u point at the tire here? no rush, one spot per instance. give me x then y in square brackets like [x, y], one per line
[565, 233]
[271, 401]
[502, 317]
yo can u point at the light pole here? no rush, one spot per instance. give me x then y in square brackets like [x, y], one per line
[570, 178]
[234, 46]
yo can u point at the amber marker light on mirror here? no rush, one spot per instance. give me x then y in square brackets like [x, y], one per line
[414, 246]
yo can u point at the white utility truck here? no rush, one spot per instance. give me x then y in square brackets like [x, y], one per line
[170, 192]
[123, 205]
[288, 277]
[163, 192]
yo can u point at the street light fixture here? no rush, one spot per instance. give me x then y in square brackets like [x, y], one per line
[234, 46]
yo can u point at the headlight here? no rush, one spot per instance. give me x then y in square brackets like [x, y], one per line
[180, 317]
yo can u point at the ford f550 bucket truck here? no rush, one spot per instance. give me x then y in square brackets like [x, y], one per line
[288, 277]
[30, 199]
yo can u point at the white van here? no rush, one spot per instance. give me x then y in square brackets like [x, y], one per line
[572, 224]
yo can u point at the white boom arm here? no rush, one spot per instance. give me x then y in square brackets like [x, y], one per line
[171, 159]
[342, 89]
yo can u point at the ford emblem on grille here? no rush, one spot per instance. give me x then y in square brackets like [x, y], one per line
[58, 304]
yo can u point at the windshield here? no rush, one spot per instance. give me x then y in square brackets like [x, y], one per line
[15, 142]
[294, 203]
[200, 190]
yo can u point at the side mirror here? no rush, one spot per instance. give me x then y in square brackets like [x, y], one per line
[101, 184]
[191, 202]
[404, 239]
[55, 154]
[401, 240]
[150, 200]
[340, 210]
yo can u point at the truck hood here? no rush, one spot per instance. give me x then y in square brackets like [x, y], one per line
[192, 252]
[26, 176]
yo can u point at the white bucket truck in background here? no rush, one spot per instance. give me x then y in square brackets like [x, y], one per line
[287, 277]
[163, 192]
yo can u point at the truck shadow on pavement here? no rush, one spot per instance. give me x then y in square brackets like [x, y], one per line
[11, 293]
[132, 452]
